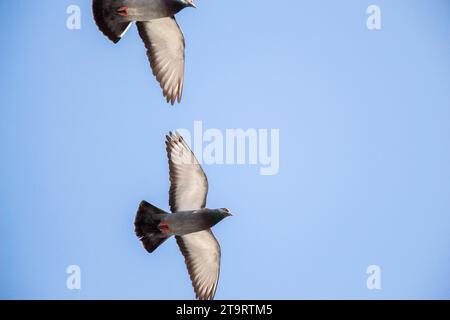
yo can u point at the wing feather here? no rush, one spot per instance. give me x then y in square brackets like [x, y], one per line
[188, 182]
[165, 45]
[201, 252]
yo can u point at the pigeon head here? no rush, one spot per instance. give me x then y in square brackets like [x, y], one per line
[219, 214]
[181, 4]
[190, 3]
[225, 212]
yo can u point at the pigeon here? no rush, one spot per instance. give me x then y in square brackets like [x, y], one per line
[189, 221]
[156, 24]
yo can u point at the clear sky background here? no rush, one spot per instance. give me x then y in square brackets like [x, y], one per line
[364, 119]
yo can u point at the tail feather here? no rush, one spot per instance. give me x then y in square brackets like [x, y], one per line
[146, 226]
[108, 21]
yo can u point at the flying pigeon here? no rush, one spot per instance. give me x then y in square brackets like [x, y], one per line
[190, 221]
[163, 38]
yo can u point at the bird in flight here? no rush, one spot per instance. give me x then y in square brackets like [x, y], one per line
[156, 24]
[189, 221]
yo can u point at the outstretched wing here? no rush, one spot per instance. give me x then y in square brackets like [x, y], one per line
[188, 191]
[165, 45]
[188, 182]
[201, 252]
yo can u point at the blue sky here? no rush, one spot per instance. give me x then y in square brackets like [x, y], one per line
[364, 179]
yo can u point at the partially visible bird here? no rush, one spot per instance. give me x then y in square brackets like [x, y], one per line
[189, 222]
[163, 38]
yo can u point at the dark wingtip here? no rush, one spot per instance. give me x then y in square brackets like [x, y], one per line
[97, 9]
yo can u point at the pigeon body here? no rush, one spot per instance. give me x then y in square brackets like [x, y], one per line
[186, 222]
[163, 38]
[178, 223]
[189, 221]
[146, 10]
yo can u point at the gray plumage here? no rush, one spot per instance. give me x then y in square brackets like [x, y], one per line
[163, 38]
[186, 222]
[190, 222]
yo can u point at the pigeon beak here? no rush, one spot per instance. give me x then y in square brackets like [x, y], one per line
[191, 4]
[230, 214]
